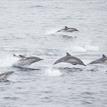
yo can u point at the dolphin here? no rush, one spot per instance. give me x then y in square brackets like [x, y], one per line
[70, 59]
[67, 29]
[102, 60]
[24, 61]
[5, 75]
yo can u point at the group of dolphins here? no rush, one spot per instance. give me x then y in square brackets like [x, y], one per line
[68, 58]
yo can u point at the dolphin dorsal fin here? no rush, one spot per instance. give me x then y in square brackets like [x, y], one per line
[104, 56]
[67, 54]
[66, 28]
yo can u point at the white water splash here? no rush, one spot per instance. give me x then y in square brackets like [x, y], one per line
[7, 60]
[52, 72]
[91, 48]
[51, 31]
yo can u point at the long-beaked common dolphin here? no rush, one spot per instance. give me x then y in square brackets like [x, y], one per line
[4, 76]
[70, 59]
[102, 60]
[24, 61]
[67, 29]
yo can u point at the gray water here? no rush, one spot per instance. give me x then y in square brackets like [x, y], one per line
[28, 27]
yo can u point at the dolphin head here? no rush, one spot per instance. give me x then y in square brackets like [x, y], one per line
[82, 63]
[76, 30]
[38, 59]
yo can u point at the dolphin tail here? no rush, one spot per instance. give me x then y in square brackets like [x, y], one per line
[59, 30]
[76, 30]
[55, 62]
[58, 61]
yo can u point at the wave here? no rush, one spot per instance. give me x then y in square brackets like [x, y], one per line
[7, 60]
[52, 72]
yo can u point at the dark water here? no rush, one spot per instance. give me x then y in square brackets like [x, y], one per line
[28, 27]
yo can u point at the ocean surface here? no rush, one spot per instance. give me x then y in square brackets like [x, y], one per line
[29, 27]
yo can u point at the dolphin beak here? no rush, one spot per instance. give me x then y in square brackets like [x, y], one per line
[85, 65]
[77, 30]
[41, 59]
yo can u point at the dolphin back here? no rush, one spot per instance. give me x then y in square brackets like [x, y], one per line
[70, 59]
[100, 60]
[27, 61]
[59, 60]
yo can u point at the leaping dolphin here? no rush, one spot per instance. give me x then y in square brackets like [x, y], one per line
[24, 61]
[70, 59]
[102, 60]
[5, 75]
[67, 29]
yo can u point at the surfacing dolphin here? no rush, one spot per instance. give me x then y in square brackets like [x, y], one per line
[102, 60]
[70, 59]
[4, 76]
[24, 61]
[67, 29]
